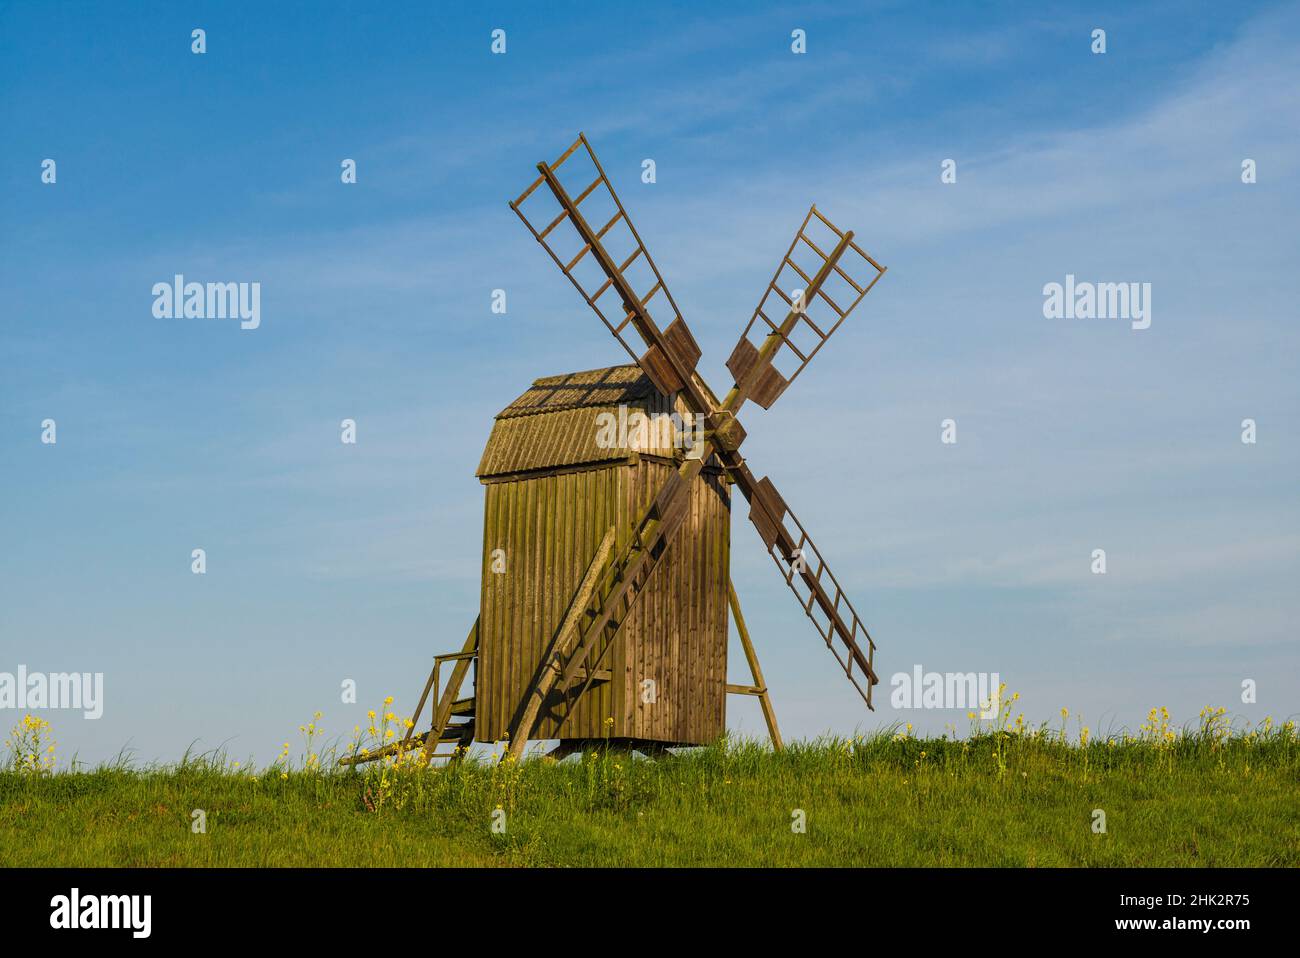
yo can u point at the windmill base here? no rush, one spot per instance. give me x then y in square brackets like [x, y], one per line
[446, 704]
[571, 746]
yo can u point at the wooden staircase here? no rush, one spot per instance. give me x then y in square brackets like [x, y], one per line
[448, 706]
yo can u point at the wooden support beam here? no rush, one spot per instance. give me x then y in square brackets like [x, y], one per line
[759, 687]
[453, 733]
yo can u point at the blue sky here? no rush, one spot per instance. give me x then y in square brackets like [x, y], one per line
[328, 562]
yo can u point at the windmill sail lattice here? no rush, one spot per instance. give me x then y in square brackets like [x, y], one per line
[594, 243]
[850, 277]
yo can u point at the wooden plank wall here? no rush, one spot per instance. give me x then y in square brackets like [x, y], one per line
[678, 635]
[550, 525]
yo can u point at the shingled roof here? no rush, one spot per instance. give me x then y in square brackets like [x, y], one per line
[554, 423]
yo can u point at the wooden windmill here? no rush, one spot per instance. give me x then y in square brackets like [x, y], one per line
[606, 588]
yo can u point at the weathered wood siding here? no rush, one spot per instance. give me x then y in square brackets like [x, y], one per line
[549, 526]
[677, 635]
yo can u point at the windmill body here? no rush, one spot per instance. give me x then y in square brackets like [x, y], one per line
[553, 485]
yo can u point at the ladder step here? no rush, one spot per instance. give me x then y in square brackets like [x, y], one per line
[454, 733]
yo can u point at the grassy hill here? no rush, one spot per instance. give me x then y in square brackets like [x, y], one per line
[1003, 796]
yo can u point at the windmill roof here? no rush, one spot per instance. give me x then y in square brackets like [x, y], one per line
[595, 387]
[554, 423]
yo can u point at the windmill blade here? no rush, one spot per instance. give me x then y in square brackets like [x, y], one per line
[592, 240]
[814, 585]
[820, 280]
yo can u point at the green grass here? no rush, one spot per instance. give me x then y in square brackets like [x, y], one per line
[1001, 799]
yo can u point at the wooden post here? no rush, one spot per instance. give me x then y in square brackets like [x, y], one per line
[419, 708]
[552, 665]
[764, 699]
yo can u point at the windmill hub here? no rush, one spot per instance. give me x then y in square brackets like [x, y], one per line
[727, 431]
